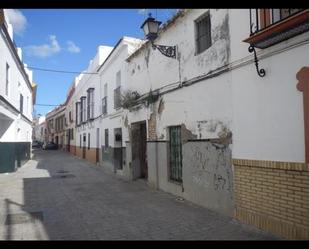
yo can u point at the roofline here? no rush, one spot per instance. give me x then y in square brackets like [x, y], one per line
[117, 44]
[115, 47]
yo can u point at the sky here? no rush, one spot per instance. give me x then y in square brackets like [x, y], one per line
[67, 39]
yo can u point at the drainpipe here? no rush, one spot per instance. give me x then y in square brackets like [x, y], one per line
[157, 167]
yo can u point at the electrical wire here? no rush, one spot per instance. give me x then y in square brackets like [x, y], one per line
[57, 71]
[46, 105]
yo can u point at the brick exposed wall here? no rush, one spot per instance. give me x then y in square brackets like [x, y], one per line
[152, 127]
[273, 196]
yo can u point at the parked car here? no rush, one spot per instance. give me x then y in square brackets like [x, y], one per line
[50, 146]
[36, 144]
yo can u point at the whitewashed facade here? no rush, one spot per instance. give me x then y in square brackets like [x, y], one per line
[88, 94]
[16, 89]
[39, 129]
[113, 80]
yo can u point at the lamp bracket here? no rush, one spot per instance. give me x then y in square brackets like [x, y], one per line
[169, 51]
[261, 72]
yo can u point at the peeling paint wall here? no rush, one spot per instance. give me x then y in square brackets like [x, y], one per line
[156, 70]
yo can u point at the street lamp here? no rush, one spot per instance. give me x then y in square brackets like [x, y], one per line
[151, 28]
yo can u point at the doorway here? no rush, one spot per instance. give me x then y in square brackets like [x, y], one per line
[98, 145]
[139, 149]
[84, 145]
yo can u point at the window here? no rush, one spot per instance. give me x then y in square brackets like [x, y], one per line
[83, 109]
[21, 103]
[106, 138]
[78, 113]
[71, 133]
[88, 141]
[7, 79]
[80, 141]
[104, 105]
[117, 91]
[203, 33]
[175, 170]
[104, 100]
[90, 103]
[28, 105]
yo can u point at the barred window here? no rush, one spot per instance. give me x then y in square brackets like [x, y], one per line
[90, 103]
[202, 33]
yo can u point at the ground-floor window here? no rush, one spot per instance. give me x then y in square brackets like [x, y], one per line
[175, 155]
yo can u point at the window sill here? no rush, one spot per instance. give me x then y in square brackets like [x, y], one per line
[281, 31]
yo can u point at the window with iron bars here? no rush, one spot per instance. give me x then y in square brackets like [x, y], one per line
[117, 97]
[77, 113]
[104, 105]
[175, 155]
[203, 33]
[90, 103]
[83, 109]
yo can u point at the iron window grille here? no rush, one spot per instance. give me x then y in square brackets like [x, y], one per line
[117, 97]
[203, 33]
[78, 113]
[90, 103]
[21, 103]
[175, 149]
[104, 105]
[83, 109]
[7, 79]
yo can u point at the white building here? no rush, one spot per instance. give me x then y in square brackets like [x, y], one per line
[70, 119]
[206, 121]
[113, 80]
[17, 96]
[39, 129]
[87, 93]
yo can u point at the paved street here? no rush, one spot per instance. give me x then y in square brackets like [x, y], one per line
[92, 204]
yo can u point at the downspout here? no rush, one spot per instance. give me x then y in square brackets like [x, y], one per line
[157, 167]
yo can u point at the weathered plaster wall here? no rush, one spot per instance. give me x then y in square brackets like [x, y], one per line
[151, 70]
[208, 175]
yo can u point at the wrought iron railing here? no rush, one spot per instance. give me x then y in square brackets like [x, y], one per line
[261, 19]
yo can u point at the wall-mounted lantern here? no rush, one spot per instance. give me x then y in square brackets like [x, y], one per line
[151, 29]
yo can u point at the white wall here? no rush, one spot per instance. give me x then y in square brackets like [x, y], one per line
[114, 117]
[265, 115]
[86, 81]
[19, 130]
[267, 112]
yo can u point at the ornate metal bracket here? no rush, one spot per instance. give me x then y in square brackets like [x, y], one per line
[261, 72]
[169, 51]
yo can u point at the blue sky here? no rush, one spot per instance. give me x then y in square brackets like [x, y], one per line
[66, 39]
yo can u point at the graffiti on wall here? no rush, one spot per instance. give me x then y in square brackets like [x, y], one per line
[211, 166]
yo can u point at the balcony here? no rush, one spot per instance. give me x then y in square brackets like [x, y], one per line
[271, 26]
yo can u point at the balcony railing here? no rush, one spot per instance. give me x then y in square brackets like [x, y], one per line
[271, 26]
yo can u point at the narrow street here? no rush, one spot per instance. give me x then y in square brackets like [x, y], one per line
[90, 203]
